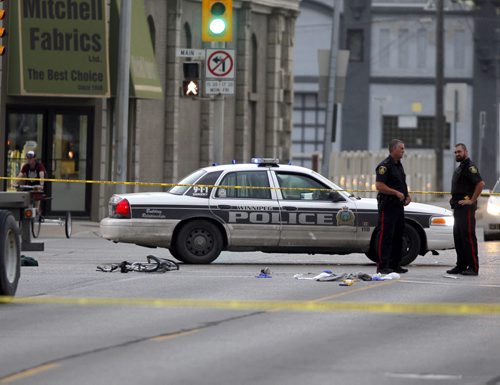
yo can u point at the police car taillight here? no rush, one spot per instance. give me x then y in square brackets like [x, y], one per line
[122, 209]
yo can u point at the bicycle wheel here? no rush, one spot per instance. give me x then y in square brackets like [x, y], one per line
[68, 225]
[36, 224]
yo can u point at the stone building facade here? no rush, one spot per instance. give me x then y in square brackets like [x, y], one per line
[172, 136]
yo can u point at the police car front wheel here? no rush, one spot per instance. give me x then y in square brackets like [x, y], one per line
[410, 249]
[198, 242]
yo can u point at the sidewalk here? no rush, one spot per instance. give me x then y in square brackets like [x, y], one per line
[52, 229]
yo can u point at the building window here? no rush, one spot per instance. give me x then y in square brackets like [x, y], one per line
[188, 43]
[255, 62]
[152, 31]
[403, 52]
[354, 44]
[384, 47]
[459, 49]
[308, 128]
[421, 48]
[422, 136]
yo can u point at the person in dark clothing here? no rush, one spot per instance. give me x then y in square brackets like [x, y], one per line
[466, 187]
[33, 169]
[392, 197]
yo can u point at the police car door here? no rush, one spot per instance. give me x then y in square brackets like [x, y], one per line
[310, 217]
[250, 210]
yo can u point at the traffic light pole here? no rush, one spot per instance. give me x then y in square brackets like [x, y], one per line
[218, 132]
[218, 129]
[122, 97]
[329, 137]
[439, 120]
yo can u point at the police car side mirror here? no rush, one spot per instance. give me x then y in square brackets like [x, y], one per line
[336, 197]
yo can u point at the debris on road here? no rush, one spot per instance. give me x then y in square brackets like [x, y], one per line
[264, 273]
[153, 265]
[28, 261]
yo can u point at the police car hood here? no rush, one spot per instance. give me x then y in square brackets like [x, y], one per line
[370, 203]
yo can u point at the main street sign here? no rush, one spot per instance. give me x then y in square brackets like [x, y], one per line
[191, 52]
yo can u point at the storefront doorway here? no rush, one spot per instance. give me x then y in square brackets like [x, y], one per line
[61, 138]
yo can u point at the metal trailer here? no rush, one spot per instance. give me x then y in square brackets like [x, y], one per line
[14, 238]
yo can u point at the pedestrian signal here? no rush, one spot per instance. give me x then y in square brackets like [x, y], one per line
[191, 82]
[217, 20]
[191, 88]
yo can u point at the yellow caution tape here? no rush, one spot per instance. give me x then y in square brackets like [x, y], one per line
[159, 184]
[300, 306]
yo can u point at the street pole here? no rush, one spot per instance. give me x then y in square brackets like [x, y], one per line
[330, 111]
[439, 114]
[122, 97]
[218, 132]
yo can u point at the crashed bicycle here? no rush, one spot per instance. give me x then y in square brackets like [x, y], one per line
[153, 265]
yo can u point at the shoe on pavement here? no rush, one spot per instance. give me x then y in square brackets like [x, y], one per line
[385, 270]
[469, 272]
[400, 270]
[455, 270]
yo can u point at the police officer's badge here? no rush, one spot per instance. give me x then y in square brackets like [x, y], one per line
[345, 217]
[473, 169]
[382, 170]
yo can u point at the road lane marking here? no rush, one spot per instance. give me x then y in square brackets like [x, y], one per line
[425, 376]
[29, 373]
[263, 305]
[451, 283]
[175, 335]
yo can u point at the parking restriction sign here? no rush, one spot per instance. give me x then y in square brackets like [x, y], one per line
[220, 64]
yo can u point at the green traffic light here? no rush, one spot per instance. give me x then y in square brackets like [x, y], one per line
[217, 26]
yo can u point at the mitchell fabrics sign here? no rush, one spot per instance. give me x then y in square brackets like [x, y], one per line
[60, 48]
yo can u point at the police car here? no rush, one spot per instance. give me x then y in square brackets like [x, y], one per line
[265, 206]
[492, 216]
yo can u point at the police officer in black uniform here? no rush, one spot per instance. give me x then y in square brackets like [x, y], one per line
[392, 197]
[466, 187]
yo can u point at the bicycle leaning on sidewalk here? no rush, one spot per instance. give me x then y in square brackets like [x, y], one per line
[36, 219]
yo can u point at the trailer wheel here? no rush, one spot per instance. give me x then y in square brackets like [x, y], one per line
[10, 254]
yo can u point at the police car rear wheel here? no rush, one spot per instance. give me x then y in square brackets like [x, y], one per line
[410, 250]
[198, 242]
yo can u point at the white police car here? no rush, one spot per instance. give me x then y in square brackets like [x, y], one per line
[268, 207]
[492, 216]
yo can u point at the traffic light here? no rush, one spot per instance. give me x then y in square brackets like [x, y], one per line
[191, 82]
[217, 20]
[2, 31]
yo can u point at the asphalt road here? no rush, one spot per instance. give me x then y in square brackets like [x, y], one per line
[218, 324]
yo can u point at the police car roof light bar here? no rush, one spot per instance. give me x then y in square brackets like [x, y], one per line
[263, 162]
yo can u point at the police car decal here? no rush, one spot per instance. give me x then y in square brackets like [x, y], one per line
[345, 217]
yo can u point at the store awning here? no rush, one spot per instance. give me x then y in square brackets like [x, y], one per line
[145, 80]
[70, 54]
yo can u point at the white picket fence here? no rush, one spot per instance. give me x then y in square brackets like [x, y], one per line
[355, 170]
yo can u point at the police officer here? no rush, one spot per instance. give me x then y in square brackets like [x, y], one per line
[466, 187]
[392, 197]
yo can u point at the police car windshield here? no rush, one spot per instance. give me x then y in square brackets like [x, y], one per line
[189, 180]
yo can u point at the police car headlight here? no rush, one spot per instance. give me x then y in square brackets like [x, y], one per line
[493, 207]
[442, 221]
